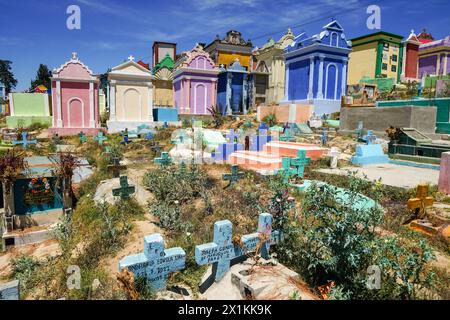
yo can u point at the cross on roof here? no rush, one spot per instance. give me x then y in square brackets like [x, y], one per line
[116, 167]
[100, 138]
[24, 142]
[261, 240]
[421, 202]
[155, 263]
[219, 252]
[131, 58]
[300, 162]
[164, 160]
[232, 136]
[125, 190]
[234, 176]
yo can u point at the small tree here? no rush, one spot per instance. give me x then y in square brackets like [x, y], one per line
[43, 76]
[217, 116]
[66, 164]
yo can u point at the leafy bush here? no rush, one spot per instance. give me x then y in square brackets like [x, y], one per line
[280, 204]
[168, 215]
[23, 269]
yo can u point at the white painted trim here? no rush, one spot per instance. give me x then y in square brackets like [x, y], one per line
[11, 105]
[59, 123]
[68, 112]
[47, 110]
[193, 78]
[344, 79]
[335, 83]
[331, 39]
[320, 84]
[124, 104]
[195, 97]
[112, 97]
[286, 77]
[91, 106]
[150, 102]
[311, 78]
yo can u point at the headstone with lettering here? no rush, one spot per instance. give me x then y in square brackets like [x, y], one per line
[155, 263]
[219, 252]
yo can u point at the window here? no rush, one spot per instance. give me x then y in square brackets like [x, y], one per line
[394, 68]
[385, 57]
[394, 58]
[386, 46]
[384, 66]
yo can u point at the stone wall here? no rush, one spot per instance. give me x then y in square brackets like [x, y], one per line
[379, 119]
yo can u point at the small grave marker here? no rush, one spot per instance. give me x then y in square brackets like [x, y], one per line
[219, 252]
[116, 167]
[232, 136]
[421, 202]
[300, 162]
[164, 161]
[234, 176]
[324, 137]
[24, 142]
[125, 190]
[287, 136]
[370, 137]
[155, 263]
[156, 147]
[182, 169]
[82, 137]
[286, 170]
[100, 138]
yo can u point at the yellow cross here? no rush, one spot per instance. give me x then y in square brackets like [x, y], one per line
[421, 201]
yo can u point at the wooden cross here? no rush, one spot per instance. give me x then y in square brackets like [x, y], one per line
[100, 138]
[421, 202]
[116, 167]
[83, 137]
[125, 189]
[286, 170]
[24, 142]
[164, 160]
[234, 176]
[155, 263]
[300, 162]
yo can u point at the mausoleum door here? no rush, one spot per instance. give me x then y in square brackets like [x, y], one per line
[75, 113]
[132, 105]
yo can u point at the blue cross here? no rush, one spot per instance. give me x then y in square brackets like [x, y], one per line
[263, 126]
[324, 137]
[24, 142]
[264, 237]
[155, 263]
[149, 136]
[219, 252]
[232, 136]
[100, 138]
[370, 137]
[83, 137]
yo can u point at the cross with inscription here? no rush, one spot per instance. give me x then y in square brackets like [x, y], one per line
[234, 176]
[287, 136]
[164, 160]
[100, 138]
[286, 170]
[83, 137]
[421, 202]
[261, 240]
[116, 167]
[24, 142]
[232, 136]
[300, 162]
[155, 263]
[219, 252]
[125, 190]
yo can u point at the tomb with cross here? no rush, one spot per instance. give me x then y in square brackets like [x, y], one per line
[370, 137]
[421, 202]
[24, 142]
[232, 136]
[220, 252]
[300, 162]
[224, 150]
[125, 190]
[163, 161]
[234, 176]
[286, 170]
[261, 240]
[100, 138]
[116, 167]
[155, 263]
[82, 137]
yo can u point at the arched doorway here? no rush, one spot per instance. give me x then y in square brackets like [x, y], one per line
[75, 113]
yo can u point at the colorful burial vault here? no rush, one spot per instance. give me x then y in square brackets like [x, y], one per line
[131, 97]
[164, 56]
[434, 58]
[75, 99]
[27, 109]
[270, 58]
[195, 82]
[316, 69]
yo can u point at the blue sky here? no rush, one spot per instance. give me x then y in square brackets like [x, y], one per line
[34, 32]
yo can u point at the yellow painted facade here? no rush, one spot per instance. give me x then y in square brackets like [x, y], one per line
[227, 58]
[362, 62]
[163, 93]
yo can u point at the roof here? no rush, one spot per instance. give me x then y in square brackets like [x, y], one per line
[379, 33]
[167, 63]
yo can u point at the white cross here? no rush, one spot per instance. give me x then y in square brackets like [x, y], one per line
[74, 56]
[131, 58]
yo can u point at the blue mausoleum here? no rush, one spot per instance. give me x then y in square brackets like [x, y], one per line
[316, 69]
[233, 89]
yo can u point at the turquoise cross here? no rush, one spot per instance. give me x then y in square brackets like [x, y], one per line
[182, 169]
[164, 160]
[24, 142]
[287, 136]
[125, 190]
[234, 176]
[83, 137]
[100, 138]
[300, 162]
[286, 170]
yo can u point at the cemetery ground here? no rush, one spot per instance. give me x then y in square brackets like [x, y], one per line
[330, 245]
